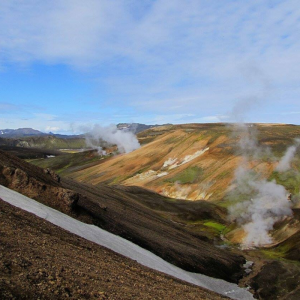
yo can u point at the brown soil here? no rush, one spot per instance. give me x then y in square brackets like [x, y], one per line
[39, 260]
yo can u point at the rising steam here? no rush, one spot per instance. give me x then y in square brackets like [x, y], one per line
[125, 140]
[285, 162]
[261, 203]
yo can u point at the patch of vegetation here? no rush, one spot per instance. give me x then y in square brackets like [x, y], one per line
[172, 140]
[117, 180]
[189, 175]
[214, 137]
[276, 253]
[220, 228]
[146, 140]
[223, 175]
[289, 179]
[52, 142]
[63, 163]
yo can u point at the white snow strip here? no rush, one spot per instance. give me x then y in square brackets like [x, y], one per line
[169, 162]
[162, 174]
[172, 163]
[189, 158]
[120, 245]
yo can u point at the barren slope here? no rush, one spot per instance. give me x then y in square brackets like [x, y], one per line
[41, 261]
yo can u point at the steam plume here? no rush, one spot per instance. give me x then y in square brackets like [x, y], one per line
[261, 203]
[126, 141]
[264, 203]
[285, 162]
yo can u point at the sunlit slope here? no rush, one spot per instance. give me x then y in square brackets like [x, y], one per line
[192, 161]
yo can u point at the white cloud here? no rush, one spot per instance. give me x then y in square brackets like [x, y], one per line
[165, 54]
[52, 129]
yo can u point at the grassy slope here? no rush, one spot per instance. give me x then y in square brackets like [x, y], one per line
[70, 162]
[46, 142]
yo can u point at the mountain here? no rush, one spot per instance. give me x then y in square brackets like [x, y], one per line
[191, 161]
[21, 132]
[29, 132]
[31, 138]
[25, 132]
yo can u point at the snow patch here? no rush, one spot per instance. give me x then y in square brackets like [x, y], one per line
[189, 158]
[120, 245]
[169, 162]
[162, 174]
[173, 163]
[148, 175]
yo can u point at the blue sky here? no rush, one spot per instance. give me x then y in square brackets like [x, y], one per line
[68, 63]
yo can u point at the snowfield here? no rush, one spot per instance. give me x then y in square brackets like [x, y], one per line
[120, 245]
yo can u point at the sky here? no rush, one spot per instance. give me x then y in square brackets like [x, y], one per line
[69, 63]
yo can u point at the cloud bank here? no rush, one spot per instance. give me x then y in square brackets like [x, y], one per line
[156, 56]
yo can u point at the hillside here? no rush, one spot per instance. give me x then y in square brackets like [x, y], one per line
[56, 264]
[49, 142]
[193, 161]
[137, 215]
[21, 132]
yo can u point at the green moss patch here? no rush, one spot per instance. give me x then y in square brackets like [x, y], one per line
[189, 175]
[290, 180]
[220, 228]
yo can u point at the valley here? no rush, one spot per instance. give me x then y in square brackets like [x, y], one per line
[178, 196]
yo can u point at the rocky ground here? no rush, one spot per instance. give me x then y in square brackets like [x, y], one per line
[41, 261]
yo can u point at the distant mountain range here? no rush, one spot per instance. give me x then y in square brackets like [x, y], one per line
[30, 132]
[26, 132]
[21, 132]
